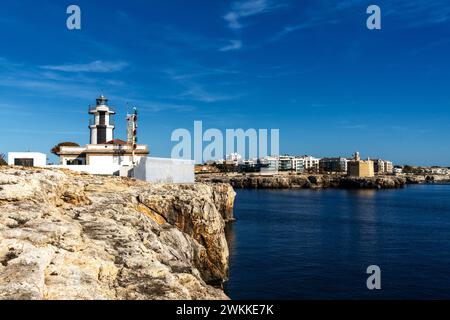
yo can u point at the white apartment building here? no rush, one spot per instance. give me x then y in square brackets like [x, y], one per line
[269, 165]
[388, 167]
[298, 164]
[383, 166]
[233, 158]
[285, 163]
[310, 162]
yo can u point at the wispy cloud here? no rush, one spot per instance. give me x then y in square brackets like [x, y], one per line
[301, 26]
[233, 45]
[198, 72]
[409, 13]
[198, 93]
[245, 9]
[43, 82]
[152, 105]
[49, 82]
[194, 89]
[98, 66]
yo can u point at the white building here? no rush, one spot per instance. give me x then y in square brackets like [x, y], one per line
[285, 163]
[109, 156]
[383, 166]
[116, 152]
[310, 163]
[160, 170]
[440, 170]
[103, 149]
[233, 158]
[398, 170]
[269, 165]
[388, 166]
[27, 159]
[298, 164]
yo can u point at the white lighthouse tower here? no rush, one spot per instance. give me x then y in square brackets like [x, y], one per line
[102, 126]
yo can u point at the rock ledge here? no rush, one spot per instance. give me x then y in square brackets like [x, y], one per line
[65, 235]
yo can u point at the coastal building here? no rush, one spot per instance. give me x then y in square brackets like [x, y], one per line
[249, 165]
[360, 168]
[298, 164]
[388, 167]
[398, 170]
[268, 165]
[383, 166]
[27, 159]
[250, 162]
[378, 166]
[333, 165]
[285, 163]
[103, 149]
[233, 158]
[311, 163]
[106, 155]
[440, 170]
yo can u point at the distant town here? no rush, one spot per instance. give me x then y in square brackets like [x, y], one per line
[352, 166]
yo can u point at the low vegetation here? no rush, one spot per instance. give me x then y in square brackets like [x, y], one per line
[3, 160]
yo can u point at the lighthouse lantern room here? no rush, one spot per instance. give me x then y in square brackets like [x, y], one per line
[102, 126]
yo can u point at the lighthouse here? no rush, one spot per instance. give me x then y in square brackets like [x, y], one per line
[102, 126]
[104, 153]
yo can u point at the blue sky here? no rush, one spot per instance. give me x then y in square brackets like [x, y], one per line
[310, 68]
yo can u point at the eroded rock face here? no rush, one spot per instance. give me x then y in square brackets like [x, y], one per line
[65, 235]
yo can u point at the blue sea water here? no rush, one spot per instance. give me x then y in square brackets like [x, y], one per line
[309, 244]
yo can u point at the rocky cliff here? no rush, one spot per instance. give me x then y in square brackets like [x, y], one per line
[65, 235]
[303, 181]
[427, 178]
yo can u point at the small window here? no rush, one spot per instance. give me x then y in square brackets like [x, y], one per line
[75, 162]
[24, 162]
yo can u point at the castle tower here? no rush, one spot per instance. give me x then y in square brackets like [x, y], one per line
[102, 126]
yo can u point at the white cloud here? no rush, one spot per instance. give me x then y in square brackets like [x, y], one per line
[98, 66]
[302, 26]
[233, 45]
[196, 92]
[247, 8]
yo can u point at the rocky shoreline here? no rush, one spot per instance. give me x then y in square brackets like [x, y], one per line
[65, 235]
[317, 181]
[420, 179]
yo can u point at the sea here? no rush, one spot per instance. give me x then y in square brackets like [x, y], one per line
[318, 244]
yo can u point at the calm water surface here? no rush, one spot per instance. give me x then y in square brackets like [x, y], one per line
[306, 244]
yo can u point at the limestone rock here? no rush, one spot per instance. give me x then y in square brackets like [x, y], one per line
[65, 235]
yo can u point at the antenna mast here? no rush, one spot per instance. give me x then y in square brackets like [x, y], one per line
[132, 132]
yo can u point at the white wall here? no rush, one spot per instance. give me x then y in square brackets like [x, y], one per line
[40, 159]
[98, 161]
[106, 169]
[164, 170]
[156, 170]
[123, 160]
